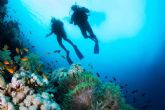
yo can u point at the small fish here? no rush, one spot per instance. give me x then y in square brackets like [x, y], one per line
[6, 47]
[38, 68]
[106, 77]
[62, 56]
[98, 75]
[33, 46]
[145, 107]
[148, 101]
[24, 59]
[134, 91]
[126, 85]
[111, 81]
[21, 52]
[48, 53]
[1, 64]
[6, 62]
[91, 66]
[121, 87]
[114, 79]
[26, 49]
[143, 94]
[57, 51]
[15, 68]
[134, 100]
[44, 76]
[10, 70]
[56, 61]
[17, 50]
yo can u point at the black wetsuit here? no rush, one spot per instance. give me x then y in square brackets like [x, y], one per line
[80, 18]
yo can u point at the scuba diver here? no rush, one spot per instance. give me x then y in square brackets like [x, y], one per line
[58, 29]
[80, 18]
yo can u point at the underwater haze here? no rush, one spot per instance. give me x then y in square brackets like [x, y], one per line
[130, 35]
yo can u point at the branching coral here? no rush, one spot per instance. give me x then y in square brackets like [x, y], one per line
[5, 55]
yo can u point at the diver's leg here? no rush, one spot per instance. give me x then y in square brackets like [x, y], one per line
[84, 32]
[93, 37]
[59, 40]
[69, 41]
[78, 53]
[90, 31]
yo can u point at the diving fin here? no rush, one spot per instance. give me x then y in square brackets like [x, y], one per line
[96, 48]
[78, 53]
[68, 59]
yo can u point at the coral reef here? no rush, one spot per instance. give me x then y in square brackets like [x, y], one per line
[10, 32]
[21, 93]
[2, 9]
[3, 2]
[10, 63]
[2, 82]
[32, 88]
[106, 97]
[80, 90]
[30, 64]
[27, 87]
[5, 55]
[5, 103]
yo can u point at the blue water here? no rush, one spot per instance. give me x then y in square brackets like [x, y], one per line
[130, 34]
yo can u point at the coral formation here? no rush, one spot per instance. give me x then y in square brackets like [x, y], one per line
[106, 97]
[5, 103]
[10, 32]
[21, 93]
[2, 9]
[5, 55]
[81, 90]
[2, 82]
[74, 89]
[30, 64]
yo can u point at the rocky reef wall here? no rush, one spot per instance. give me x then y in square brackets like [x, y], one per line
[10, 32]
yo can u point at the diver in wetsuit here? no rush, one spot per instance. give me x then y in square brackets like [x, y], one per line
[58, 29]
[80, 18]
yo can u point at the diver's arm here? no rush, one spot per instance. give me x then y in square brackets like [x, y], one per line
[49, 34]
[71, 20]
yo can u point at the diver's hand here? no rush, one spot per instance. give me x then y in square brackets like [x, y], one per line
[49, 34]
